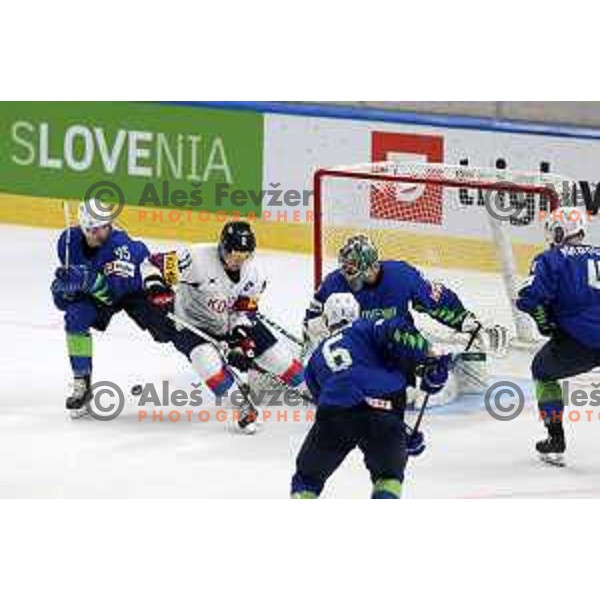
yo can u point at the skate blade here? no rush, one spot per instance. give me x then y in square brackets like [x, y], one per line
[78, 413]
[554, 458]
[234, 428]
[249, 429]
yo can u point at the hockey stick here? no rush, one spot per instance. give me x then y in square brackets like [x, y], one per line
[218, 346]
[68, 241]
[242, 386]
[279, 329]
[470, 343]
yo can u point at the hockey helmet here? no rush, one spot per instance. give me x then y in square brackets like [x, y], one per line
[236, 244]
[95, 222]
[92, 215]
[565, 225]
[358, 259]
[340, 310]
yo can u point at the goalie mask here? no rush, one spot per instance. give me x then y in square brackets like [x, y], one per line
[565, 226]
[358, 260]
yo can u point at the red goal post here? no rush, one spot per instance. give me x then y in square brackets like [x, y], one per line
[441, 208]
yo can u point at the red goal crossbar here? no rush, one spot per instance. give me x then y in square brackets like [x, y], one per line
[341, 173]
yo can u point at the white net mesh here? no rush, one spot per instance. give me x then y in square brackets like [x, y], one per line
[475, 229]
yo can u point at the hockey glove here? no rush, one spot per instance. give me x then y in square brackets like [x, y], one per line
[159, 294]
[156, 285]
[76, 279]
[435, 373]
[79, 279]
[415, 443]
[161, 297]
[171, 264]
[242, 348]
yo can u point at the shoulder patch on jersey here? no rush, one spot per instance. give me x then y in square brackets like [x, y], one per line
[119, 268]
[436, 289]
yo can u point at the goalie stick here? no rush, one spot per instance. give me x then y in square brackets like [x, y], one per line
[417, 424]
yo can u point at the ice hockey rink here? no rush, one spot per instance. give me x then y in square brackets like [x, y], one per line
[44, 454]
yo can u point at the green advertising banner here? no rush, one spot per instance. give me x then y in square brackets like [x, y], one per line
[156, 155]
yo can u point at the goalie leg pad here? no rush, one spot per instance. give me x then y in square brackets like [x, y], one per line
[470, 372]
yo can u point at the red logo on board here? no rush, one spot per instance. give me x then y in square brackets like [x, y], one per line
[406, 201]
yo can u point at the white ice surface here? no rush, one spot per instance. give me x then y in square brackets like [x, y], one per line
[43, 454]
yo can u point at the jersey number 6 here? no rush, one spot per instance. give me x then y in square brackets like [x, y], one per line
[337, 359]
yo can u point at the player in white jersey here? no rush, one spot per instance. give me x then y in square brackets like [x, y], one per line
[218, 293]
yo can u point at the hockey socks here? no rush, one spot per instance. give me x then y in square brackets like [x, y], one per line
[550, 403]
[79, 346]
[387, 489]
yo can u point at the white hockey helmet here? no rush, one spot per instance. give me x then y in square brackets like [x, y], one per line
[340, 310]
[92, 214]
[565, 224]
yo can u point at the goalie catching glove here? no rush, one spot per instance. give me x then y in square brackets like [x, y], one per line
[489, 338]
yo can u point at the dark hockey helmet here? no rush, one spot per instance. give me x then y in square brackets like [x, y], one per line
[237, 236]
[358, 258]
[236, 245]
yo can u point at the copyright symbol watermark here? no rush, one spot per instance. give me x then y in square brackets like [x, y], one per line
[104, 200]
[504, 205]
[504, 401]
[107, 401]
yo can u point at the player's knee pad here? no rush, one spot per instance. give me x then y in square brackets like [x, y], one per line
[305, 488]
[80, 316]
[279, 361]
[209, 366]
[387, 489]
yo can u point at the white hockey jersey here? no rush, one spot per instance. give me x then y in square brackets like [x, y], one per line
[208, 298]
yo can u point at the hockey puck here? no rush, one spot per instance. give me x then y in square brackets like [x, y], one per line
[137, 390]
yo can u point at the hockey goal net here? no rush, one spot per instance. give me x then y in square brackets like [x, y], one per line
[474, 229]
